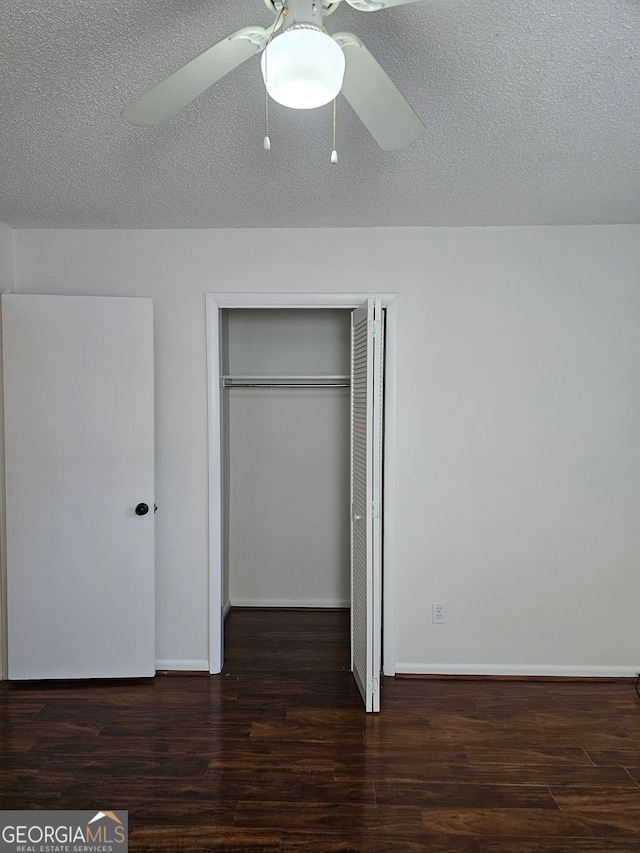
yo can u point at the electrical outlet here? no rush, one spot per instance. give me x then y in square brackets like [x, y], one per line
[437, 613]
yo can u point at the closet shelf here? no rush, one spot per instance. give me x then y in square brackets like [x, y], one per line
[289, 381]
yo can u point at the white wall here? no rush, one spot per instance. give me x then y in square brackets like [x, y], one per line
[289, 497]
[518, 423]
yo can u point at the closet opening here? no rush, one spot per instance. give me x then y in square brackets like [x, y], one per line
[294, 512]
[285, 430]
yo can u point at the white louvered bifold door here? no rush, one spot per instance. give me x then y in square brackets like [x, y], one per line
[367, 352]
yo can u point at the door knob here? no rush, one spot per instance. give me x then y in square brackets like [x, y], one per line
[142, 509]
[357, 518]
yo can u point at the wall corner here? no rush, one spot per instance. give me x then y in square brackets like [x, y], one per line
[7, 259]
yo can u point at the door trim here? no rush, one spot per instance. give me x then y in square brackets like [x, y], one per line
[214, 302]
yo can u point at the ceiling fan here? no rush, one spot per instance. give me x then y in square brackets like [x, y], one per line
[303, 67]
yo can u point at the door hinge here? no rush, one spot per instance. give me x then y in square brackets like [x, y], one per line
[373, 686]
[374, 511]
[375, 327]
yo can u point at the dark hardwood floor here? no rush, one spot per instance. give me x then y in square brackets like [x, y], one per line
[276, 754]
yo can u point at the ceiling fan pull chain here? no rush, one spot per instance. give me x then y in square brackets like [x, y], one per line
[266, 142]
[334, 153]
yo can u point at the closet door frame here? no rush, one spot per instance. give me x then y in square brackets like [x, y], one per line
[215, 302]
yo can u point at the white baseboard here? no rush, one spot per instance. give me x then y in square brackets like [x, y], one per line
[289, 602]
[180, 665]
[533, 670]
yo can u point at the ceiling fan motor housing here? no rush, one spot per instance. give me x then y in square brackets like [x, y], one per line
[303, 12]
[326, 7]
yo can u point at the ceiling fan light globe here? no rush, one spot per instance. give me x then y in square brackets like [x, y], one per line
[303, 68]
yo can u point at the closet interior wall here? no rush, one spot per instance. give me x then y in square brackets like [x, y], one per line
[286, 457]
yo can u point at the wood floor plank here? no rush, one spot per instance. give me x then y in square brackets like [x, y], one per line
[198, 838]
[463, 795]
[617, 811]
[522, 823]
[560, 845]
[627, 754]
[525, 753]
[298, 788]
[634, 772]
[401, 769]
[324, 818]
[372, 840]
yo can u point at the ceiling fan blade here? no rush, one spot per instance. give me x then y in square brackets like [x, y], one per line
[376, 5]
[379, 105]
[185, 84]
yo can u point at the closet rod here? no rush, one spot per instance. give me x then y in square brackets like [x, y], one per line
[287, 384]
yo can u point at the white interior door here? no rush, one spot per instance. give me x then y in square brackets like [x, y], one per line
[367, 359]
[79, 459]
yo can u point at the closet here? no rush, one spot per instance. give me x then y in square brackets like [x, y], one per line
[285, 377]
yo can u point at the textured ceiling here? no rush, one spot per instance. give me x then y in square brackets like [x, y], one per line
[532, 112]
